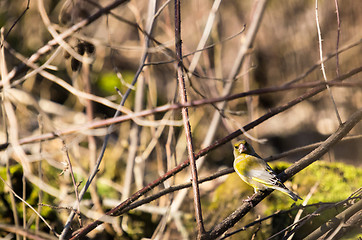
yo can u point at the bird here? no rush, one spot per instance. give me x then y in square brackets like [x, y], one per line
[253, 170]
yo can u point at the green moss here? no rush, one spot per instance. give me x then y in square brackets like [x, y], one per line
[140, 225]
[108, 81]
[226, 189]
[13, 169]
[106, 191]
[32, 197]
[336, 181]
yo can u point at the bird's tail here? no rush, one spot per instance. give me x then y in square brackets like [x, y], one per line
[291, 194]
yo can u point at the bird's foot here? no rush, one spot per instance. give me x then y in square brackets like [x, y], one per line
[249, 200]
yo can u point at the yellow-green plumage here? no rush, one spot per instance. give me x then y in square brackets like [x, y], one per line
[255, 171]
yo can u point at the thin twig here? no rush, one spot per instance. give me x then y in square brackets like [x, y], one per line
[335, 221]
[338, 36]
[15, 22]
[201, 50]
[185, 117]
[70, 167]
[4, 100]
[12, 197]
[27, 232]
[9, 112]
[134, 134]
[92, 146]
[305, 202]
[325, 59]
[322, 63]
[27, 204]
[40, 172]
[249, 39]
[56, 36]
[23, 180]
[205, 36]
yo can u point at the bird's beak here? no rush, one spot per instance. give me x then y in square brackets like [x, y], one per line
[242, 148]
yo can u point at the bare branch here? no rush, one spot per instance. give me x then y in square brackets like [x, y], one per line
[185, 117]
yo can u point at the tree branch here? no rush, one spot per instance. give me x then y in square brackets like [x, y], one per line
[185, 117]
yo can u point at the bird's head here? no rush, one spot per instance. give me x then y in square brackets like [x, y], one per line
[243, 147]
[240, 146]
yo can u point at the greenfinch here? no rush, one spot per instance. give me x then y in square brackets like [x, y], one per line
[253, 170]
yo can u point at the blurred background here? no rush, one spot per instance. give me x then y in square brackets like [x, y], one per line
[67, 93]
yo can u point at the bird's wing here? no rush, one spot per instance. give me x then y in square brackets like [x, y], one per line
[263, 173]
